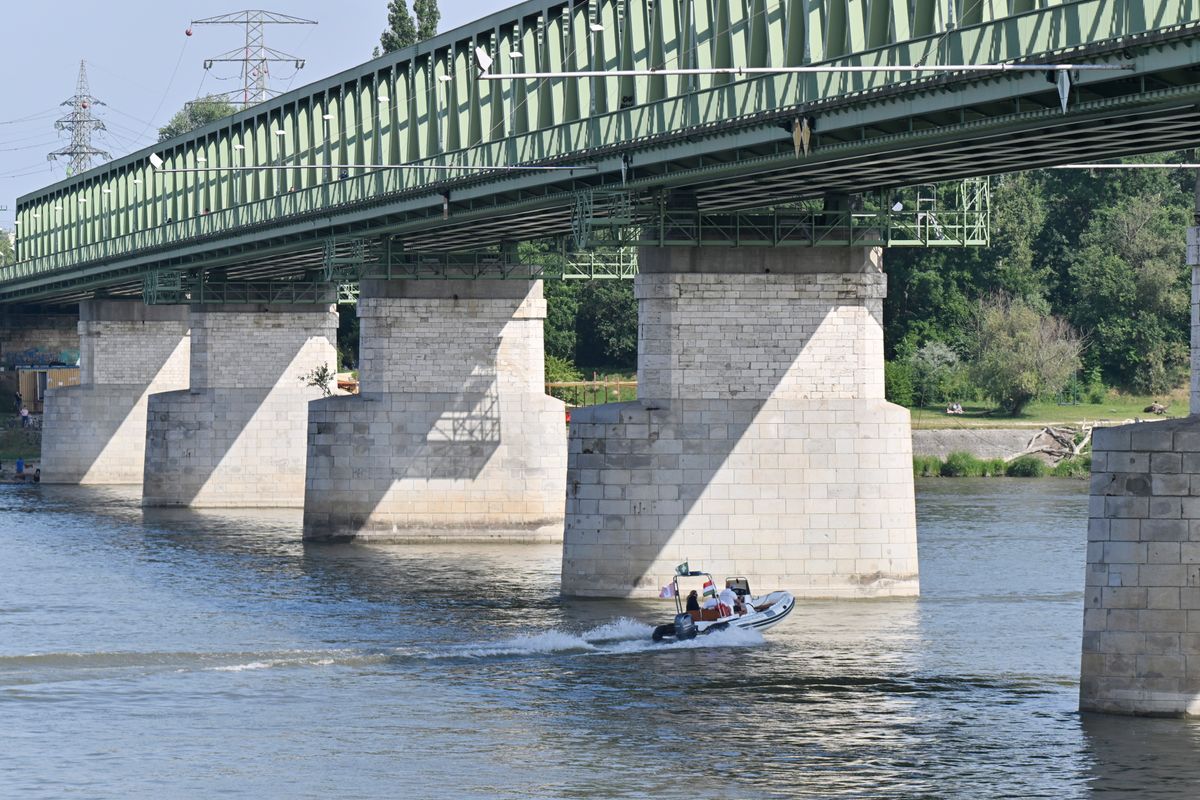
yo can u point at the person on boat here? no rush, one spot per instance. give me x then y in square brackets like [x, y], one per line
[693, 602]
[744, 606]
[726, 602]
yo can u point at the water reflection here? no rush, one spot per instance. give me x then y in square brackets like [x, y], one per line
[169, 642]
[1142, 757]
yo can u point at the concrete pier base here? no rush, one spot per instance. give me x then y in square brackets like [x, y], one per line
[1141, 629]
[761, 445]
[452, 436]
[95, 433]
[236, 437]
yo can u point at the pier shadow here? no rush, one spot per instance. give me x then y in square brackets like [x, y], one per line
[414, 464]
[241, 442]
[95, 433]
[449, 438]
[783, 469]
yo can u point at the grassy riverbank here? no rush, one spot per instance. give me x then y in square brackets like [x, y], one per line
[20, 443]
[1113, 411]
[965, 465]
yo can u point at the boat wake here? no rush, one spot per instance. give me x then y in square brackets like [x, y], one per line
[621, 636]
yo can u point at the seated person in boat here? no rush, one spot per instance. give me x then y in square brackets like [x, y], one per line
[693, 603]
[727, 602]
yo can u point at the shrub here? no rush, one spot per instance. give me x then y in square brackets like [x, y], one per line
[898, 383]
[962, 465]
[1080, 467]
[1094, 391]
[1025, 467]
[994, 468]
[927, 466]
[561, 370]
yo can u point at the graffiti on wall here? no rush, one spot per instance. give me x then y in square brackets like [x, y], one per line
[39, 357]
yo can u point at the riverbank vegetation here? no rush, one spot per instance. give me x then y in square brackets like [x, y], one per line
[17, 442]
[1092, 260]
[1077, 311]
[965, 465]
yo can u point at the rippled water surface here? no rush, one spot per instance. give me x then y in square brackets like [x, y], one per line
[186, 654]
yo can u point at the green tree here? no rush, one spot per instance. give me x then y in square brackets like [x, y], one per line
[1132, 290]
[935, 368]
[1022, 354]
[561, 370]
[402, 32]
[6, 251]
[196, 114]
[606, 325]
[562, 308]
[347, 337]
[898, 382]
[1011, 264]
[428, 18]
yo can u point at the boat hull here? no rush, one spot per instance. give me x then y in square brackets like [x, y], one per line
[775, 607]
[781, 604]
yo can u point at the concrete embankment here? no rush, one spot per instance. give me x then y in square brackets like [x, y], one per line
[979, 442]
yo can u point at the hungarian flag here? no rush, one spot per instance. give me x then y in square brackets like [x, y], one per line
[710, 590]
[668, 591]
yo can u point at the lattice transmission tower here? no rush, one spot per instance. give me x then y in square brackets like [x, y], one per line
[81, 123]
[255, 57]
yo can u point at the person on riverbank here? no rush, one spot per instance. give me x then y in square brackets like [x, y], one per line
[24, 417]
[20, 467]
[18, 401]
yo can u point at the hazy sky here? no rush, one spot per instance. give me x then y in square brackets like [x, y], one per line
[144, 68]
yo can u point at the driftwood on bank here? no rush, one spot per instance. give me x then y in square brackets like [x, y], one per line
[1056, 443]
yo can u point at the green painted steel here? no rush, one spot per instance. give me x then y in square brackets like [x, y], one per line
[423, 106]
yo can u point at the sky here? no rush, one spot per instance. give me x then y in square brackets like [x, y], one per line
[144, 68]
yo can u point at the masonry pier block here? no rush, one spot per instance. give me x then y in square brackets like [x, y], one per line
[1141, 624]
[95, 433]
[236, 437]
[761, 444]
[452, 436]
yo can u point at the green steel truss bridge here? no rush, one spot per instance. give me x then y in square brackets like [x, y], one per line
[411, 165]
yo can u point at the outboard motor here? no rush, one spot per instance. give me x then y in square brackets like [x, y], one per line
[685, 627]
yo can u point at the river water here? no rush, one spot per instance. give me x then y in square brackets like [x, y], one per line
[186, 654]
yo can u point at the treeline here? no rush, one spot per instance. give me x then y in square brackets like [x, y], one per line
[1102, 251]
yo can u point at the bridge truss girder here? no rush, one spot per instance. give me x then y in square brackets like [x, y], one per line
[108, 228]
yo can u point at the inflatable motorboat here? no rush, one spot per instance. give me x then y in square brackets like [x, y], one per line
[746, 611]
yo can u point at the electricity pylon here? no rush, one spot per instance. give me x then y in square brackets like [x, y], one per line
[255, 57]
[81, 123]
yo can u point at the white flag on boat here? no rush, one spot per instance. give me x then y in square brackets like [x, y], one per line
[668, 591]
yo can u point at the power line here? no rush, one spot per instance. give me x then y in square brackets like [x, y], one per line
[81, 123]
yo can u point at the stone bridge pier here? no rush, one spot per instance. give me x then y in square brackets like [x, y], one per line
[1141, 618]
[96, 432]
[452, 435]
[235, 437]
[761, 444]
